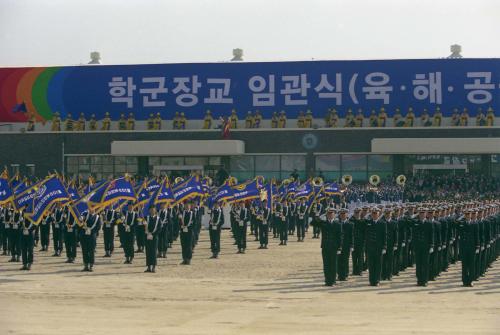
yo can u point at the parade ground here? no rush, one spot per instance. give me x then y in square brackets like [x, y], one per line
[275, 291]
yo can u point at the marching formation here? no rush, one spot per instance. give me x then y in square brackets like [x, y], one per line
[383, 239]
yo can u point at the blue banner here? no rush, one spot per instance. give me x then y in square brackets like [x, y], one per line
[48, 192]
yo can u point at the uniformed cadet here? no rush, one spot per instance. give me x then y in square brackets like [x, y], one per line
[182, 121]
[292, 218]
[423, 238]
[241, 226]
[301, 220]
[106, 122]
[31, 123]
[233, 119]
[57, 229]
[437, 119]
[70, 231]
[392, 244]
[92, 123]
[5, 214]
[215, 225]
[283, 222]
[186, 221]
[382, 117]
[301, 120]
[398, 264]
[376, 245]
[360, 118]
[490, 117]
[373, 119]
[45, 231]
[122, 122]
[331, 244]
[317, 210]
[69, 123]
[434, 257]
[464, 118]
[80, 126]
[165, 230]
[410, 118]
[282, 120]
[346, 230]
[90, 225]
[110, 217]
[152, 229]
[157, 122]
[308, 120]
[249, 119]
[274, 120]
[359, 234]
[140, 235]
[129, 223]
[131, 121]
[207, 121]
[16, 221]
[455, 118]
[349, 119]
[469, 247]
[263, 219]
[257, 122]
[27, 244]
[397, 119]
[150, 123]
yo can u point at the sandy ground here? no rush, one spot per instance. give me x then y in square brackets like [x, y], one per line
[274, 291]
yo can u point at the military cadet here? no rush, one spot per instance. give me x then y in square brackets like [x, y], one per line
[90, 225]
[31, 123]
[233, 119]
[241, 226]
[129, 223]
[434, 264]
[164, 234]
[150, 123]
[182, 121]
[274, 120]
[469, 247]
[301, 220]
[283, 223]
[45, 231]
[382, 117]
[110, 217]
[464, 118]
[455, 118]
[207, 121]
[490, 117]
[80, 125]
[331, 244]
[391, 246]
[397, 119]
[57, 229]
[423, 238]
[478, 231]
[360, 118]
[16, 221]
[410, 118]
[308, 120]
[349, 119]
[359, 236]
[27, 244]
[317, 210]
[131, 121]
[122, 122]
[215, 225]
[69, 123]
[186, 220]
[7, 214]
[437, 119]
[152, 229]
[257, 119]
[254, 208]
[292, 219]
[346, 230]
[249, 119]
[445, 238]
[263, 219]
[140, 235]
[282, 120]
[3, 231]
[376, 245]
[157, 122]
[398, 264]
[70, 231]
[92, 123]
[301, 120]
[106, 122]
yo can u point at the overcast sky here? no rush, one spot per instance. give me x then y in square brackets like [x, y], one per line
[63, 32]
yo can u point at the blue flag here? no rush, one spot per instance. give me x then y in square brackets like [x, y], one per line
[188, 189]
[5, 190]
[118, 189]
[165, 194]
[48, 192]
[305, 190]
[246, 191]
[20, 108]
[223, 194]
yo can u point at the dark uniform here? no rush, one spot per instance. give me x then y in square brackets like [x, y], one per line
[392, 245]
[70, 232]
[469, 247]
[346, 229]
[108, 229]
[45, 231]
[27, 244]
[216, 222]
[152, 229]
[129, 224]
[423, 239]
[186, 221]
[57, 230]
[4, 229]
[359, 236]
[317, 211]
[263, 218]
[163, 236]
[241, 226]
[284, 217]
[88, 233]
[16, 222]
[376, 246]
[301, 221]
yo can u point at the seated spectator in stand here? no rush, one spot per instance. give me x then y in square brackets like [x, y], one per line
[274, 120]
[207, 121]
[410, 118]
[382, 117]
[373, 120]
[437, 118]
[249, 120]
[349, 119]
[301, 120]
[490, 117]
[80, 125]
[56, 122]
[92, 123]
[397, 119]
[257, 119]
[106, 122]
[464, 118]
[131, 121]
[308, 121]
[68, 124]
[234, 119]
[455, 118]
[282, 120]
[122, 122]
[360, 118]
